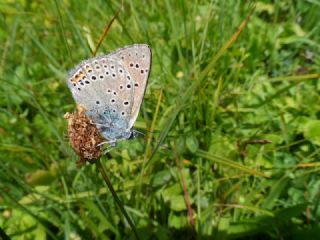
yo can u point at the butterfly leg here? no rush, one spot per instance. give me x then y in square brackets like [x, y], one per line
[111, 145]
[109, 148]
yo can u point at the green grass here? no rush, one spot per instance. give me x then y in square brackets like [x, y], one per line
[205, 110]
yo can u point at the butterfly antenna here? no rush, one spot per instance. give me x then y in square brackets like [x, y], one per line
[136, 133]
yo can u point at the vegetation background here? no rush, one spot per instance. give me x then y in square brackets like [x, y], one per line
[232, 130]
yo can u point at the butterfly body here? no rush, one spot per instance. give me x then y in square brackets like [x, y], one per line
[111, 89]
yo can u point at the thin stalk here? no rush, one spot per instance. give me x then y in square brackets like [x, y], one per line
[115, 196]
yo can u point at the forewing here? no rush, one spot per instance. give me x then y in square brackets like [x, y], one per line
[136, 59]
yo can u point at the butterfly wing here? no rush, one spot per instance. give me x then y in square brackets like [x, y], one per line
[105, 88]
[136, 59]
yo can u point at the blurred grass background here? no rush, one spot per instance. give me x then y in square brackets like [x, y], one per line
[205, 125]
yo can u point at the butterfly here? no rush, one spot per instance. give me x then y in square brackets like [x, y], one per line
[111, 89]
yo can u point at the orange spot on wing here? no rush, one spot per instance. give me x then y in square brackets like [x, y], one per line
[77, 77]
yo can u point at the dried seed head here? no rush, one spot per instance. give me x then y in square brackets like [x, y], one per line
[84, 136]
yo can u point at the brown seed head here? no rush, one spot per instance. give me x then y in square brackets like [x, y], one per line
[84, 136]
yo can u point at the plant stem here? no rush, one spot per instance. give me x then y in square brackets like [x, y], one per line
[115, 196]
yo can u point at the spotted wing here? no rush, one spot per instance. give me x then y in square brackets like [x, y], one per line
[105, 88]
[136, 59]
